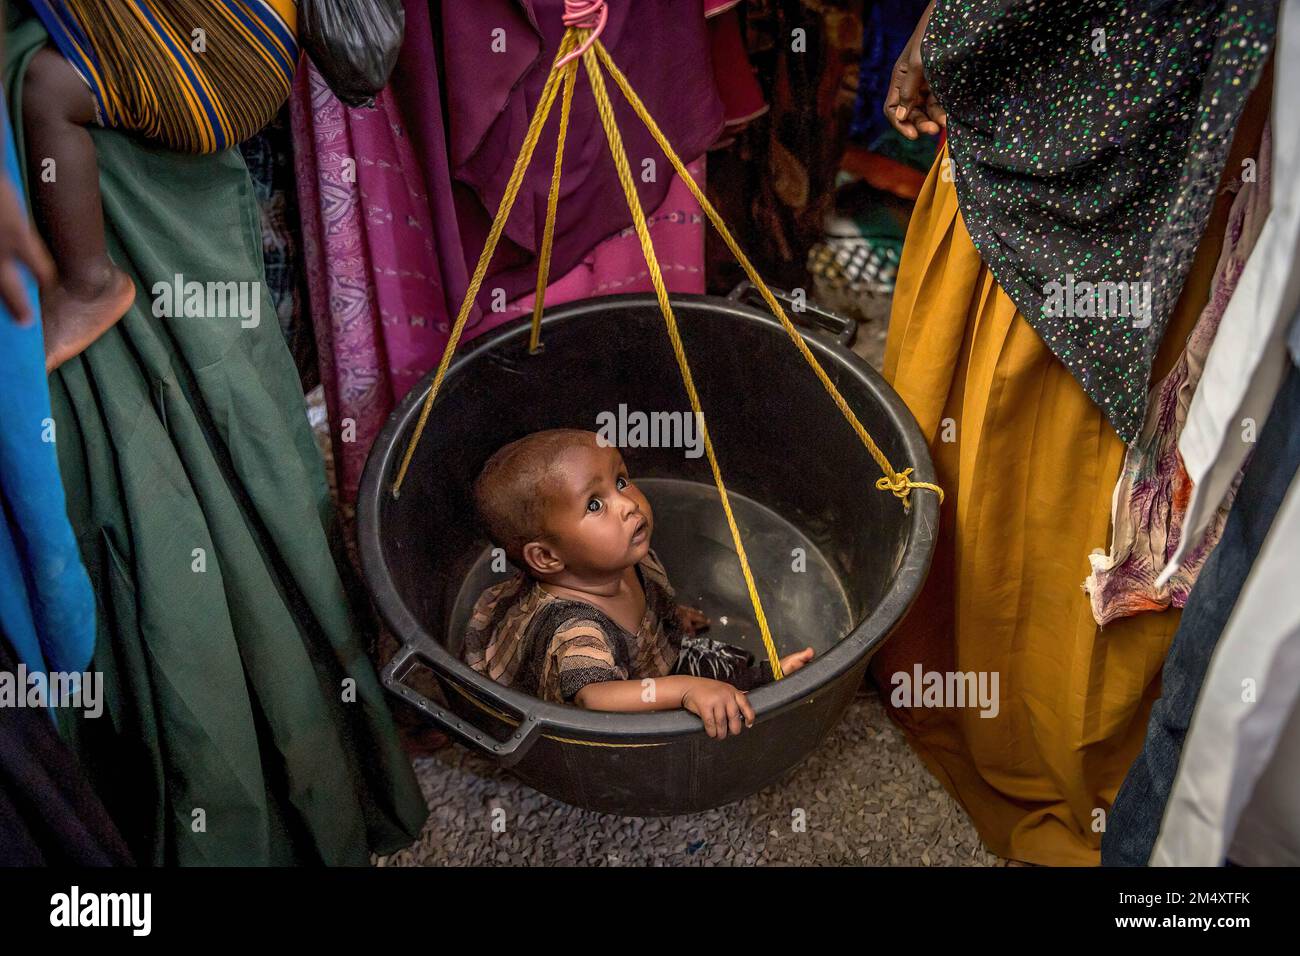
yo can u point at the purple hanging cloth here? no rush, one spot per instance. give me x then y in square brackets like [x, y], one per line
[390, 233]
[498, 54]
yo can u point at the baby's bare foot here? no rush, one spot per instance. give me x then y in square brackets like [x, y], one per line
[75, 314]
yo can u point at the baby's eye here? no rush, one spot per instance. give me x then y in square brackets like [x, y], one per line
[593, 505]
[621, 483]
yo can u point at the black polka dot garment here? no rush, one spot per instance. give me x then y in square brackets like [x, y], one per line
[1086, 142]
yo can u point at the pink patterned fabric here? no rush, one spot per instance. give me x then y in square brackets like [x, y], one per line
[376, 296]
[616, 265]
[1154, 489]
[663, 50]
[380, 301]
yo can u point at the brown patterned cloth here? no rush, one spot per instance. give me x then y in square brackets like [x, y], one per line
[522, 636]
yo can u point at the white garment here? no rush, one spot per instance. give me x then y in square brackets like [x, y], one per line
[1267, 834]
[1249, 356]
[1237, 793]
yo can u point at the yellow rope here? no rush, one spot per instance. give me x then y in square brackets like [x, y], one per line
[894, 481]
[552, 201]
[898, 483]
[606, 111]
[489, 247]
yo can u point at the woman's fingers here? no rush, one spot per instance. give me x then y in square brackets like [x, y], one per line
[21, 240]
[19, 243]
[935, 111]
[924, 122]
[910, 106]
[31, 250]
[904, 94]
[13, 293]
[909, 94]
[898, 105]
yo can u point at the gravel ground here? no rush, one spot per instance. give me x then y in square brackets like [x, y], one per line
[866, 798]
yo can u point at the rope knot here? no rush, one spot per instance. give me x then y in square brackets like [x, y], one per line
[584, 15]
[899, 484]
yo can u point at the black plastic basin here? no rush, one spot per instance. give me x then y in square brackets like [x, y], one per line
[837, 561]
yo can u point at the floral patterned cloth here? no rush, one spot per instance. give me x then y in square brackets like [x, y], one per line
[1154, 489]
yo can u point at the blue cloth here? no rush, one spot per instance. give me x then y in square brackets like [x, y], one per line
[47, 609]
[1139, 808]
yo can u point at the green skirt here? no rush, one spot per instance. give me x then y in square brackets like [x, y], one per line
[244, 723]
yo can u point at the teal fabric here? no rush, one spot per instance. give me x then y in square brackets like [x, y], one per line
[244, 724]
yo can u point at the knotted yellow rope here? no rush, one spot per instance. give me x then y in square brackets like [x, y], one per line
[898, 483]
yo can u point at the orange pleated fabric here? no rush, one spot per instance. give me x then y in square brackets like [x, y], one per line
[1028, 465]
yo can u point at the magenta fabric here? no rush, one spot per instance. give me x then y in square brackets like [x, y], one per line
[664, 49]
[387, 266]
[415, 85]
[377, 299]
[616, 265]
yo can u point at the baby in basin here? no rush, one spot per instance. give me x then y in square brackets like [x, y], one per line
[592, 614]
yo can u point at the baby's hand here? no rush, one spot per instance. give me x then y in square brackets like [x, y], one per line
[692, 619]
[795, 661]
[719, 705]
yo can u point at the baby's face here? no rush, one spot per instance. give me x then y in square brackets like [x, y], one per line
[596, 519]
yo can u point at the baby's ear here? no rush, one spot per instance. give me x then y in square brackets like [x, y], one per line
[541, 560]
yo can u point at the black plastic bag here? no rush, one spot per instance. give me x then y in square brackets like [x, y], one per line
[354, 44]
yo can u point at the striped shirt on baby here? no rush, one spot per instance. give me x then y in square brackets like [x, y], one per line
[524, 637]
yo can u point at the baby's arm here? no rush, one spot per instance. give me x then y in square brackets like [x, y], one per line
[720, 706]
[583, 656]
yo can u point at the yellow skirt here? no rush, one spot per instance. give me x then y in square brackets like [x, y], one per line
[1028, 464]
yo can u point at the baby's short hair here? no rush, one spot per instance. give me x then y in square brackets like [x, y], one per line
[510, 491]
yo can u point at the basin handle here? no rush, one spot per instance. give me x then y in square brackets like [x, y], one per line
[810, 315]
[507, 752]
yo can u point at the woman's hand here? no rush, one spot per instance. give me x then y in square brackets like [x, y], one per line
[20, 244]
[910, 105]
[719, 705]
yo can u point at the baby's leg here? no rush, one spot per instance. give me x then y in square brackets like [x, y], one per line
[91, 293]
